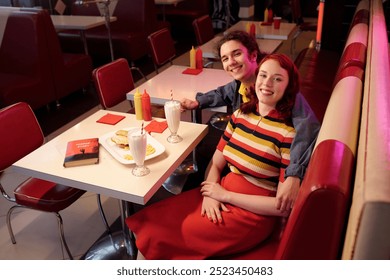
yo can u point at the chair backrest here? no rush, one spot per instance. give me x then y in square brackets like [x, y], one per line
[112, 82]
[22, 53]
[137, 14]
[21, 133]
[162, 47]
[24, 56]
[203, 29]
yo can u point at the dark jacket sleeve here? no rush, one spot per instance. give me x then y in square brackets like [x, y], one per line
[307, 127]
[222, 96]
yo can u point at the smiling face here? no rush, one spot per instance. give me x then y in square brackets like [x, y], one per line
[238, 62]
[271, 84]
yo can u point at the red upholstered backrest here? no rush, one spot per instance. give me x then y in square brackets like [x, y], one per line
[21, 133]
[362, 13]
[112, 82]
[361, 16]
[54, 51]
[24, 52]
[24, 59]
[161, 46]
[135, 15]
[354, 54]
[315, 226]
[203, 28]
[352, 68]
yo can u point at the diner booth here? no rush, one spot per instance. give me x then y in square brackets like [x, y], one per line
[50, 65]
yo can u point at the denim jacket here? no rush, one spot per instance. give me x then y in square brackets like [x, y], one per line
[304, 120]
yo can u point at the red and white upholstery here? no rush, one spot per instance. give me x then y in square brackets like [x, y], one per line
[112, 81]
[368, 231]
[24, 135]
[162, 47]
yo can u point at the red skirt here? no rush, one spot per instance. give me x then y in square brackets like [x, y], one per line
[174, 228]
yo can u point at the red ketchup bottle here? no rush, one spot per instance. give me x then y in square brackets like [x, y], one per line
[270, 15]
[199, 59]
[252, 30]
[146, 107]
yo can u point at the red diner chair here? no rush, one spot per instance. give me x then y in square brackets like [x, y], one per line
[33, 193]
[113, 81]
[203, 29]
[162, 47]
[204, 32]
[71, 71]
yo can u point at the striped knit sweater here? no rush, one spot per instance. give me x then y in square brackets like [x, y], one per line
[257, 147]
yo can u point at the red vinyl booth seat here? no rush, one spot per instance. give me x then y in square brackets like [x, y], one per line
[25, 71]
[314, 230]
[71, 71]
[33, 68]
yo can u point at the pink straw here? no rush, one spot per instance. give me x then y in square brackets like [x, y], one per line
[171, 95]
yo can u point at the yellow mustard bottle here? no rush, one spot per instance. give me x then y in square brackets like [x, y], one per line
[192, 58]
[138, 105]
[266, 15]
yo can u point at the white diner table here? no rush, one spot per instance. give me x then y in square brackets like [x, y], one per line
[110, 177]
[267, 31]
[265, 45]
[79, 23]
[182, 85]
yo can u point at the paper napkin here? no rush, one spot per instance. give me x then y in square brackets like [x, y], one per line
[110, 119]
[191, 71]
[155, 126]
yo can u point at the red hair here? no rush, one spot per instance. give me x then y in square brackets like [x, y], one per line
[284, 105]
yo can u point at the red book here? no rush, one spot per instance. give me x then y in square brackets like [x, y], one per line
[82, 152]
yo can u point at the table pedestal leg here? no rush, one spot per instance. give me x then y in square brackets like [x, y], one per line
[116, 246]
[84, 40]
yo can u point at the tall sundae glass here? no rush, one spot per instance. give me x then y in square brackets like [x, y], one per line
[172, 114]
[137, 143]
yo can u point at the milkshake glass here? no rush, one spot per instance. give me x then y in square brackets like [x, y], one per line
[137, 144]
[172, 114]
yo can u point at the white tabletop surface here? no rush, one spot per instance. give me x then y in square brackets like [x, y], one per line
[109, 177]
[78, 22]
[267, 31]
[182, 85]
[266, 46]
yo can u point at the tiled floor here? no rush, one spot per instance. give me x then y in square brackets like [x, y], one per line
[37, 233]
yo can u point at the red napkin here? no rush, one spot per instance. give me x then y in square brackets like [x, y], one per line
[192, 71]
[155, 126]
[110, 119]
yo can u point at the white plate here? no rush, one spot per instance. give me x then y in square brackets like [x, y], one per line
[119, 153]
